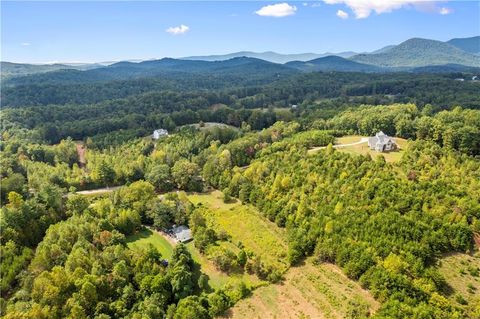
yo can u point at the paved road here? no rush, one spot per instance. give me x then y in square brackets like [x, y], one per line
[362, 140]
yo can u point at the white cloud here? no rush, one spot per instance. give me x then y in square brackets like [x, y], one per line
[342, 14]
[363, 8]
[277, 10]
[25, 44]
[181, 29]
[305, 4]
[445, 11]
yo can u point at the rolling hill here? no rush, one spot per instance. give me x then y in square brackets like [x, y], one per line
[471, 45]
[418, 52]
[333, 63]
[10, 69]
[270, 56]
[237, 67]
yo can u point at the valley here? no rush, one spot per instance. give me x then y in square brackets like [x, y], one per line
[198, 174]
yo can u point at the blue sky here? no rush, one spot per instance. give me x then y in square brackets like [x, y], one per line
[89, 31]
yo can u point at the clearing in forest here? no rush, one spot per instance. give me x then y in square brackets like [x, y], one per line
[308, 291]
[146, 237]
[246, 225]
[462, 273]
[356, 144]
[81, 150]
[216, 278]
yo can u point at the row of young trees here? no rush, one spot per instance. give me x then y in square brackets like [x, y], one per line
[384, 224]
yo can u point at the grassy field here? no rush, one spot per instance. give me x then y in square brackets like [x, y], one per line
[210, 125]
[144, 238]
[348, 139]
[216, 278]
[245, 224]
[308, 291]
[364, 149]
[462, 273]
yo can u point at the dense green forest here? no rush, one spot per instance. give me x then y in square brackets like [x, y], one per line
[134, 108]
[386, 224]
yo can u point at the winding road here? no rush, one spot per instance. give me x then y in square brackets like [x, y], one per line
[362, 140]
[98, 190]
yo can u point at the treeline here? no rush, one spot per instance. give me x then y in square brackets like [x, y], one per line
[141, 114]
[146, 104]
[77, 87]
[256, 90]
[458, 129]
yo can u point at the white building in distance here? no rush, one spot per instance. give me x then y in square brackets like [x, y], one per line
[159, 133]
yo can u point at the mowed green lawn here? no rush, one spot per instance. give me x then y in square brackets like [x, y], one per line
[363, 148]
[146, 237]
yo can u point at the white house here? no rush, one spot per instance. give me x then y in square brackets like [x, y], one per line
[381, 142]
[159, 133]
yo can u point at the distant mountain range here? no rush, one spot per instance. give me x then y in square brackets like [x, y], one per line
[241, 68]
[270, 56]
[413, 55]
[333, 63]
[10, 69]
[471, 45]
[418, 52]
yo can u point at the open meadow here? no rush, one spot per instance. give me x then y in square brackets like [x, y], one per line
[462, 274]
[311, 291]
[356, 144]
[245, 224]
[308, 291]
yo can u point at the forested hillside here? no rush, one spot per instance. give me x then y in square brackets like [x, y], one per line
[358, 212]
[134, 108]
[420, 52]
[382, 226]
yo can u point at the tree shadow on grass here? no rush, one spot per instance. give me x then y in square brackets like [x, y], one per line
[141, 234]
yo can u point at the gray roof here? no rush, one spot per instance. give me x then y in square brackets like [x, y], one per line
[182, 233]
[381, 138]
